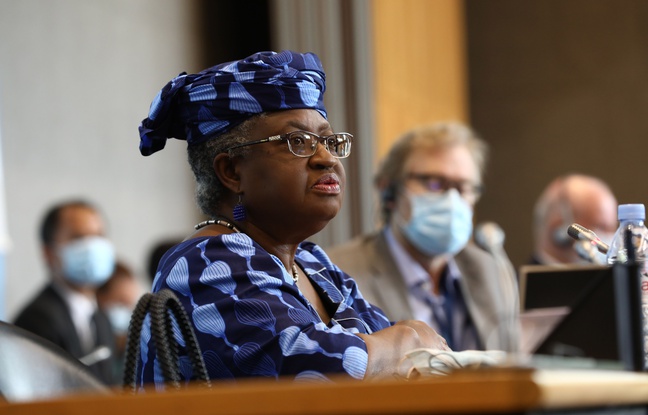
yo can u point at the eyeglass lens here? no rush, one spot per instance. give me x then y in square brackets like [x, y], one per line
[304, 144]
[434, 183]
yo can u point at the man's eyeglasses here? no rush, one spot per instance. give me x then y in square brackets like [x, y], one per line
[437, 184]
[304, 144]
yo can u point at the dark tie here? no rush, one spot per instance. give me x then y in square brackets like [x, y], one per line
[441, 309]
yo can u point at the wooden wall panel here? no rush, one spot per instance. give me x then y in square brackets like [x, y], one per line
[419, 65]
[557, 86]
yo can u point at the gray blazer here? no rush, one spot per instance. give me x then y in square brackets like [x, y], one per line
[494, 311]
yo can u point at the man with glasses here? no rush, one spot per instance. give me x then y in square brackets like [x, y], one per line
[421, 265]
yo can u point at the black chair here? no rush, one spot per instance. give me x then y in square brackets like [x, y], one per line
[33, 368]
[161, 306]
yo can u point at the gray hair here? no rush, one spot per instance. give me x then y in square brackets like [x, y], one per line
[427, 137]
[209, 189]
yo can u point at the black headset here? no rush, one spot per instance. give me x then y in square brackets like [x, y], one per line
[388, 194]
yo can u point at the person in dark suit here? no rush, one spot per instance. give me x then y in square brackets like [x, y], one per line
[157, 252]
[79, 259]
[421, 265]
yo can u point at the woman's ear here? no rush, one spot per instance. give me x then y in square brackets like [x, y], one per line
[225, 169]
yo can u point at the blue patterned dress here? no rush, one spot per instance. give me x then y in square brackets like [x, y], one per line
[251, 319]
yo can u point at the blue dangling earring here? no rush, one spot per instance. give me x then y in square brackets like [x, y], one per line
[239, 211]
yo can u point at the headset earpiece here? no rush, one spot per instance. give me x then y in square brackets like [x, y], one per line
[389, 193]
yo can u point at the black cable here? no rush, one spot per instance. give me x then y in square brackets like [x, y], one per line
[629, 246]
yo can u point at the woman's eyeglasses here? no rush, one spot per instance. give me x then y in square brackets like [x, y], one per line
[304, 144]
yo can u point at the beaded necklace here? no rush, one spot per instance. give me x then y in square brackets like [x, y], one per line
[228, 225]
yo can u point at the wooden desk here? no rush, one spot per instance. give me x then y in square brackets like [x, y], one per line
[485, 391]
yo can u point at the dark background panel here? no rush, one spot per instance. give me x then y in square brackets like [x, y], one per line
[232, 30]
[557, 86]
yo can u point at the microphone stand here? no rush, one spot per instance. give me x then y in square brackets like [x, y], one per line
[629, 312]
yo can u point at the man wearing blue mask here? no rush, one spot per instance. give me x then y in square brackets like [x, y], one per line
[421, 265]
[79, 259]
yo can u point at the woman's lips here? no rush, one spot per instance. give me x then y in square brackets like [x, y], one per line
[328, 183]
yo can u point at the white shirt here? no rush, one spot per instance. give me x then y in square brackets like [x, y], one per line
[82, 309]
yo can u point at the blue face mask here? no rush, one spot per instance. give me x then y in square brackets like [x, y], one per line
[119, 316]
[88, 261]
[440, 223]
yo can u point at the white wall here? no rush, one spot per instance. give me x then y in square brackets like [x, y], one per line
[76, 78]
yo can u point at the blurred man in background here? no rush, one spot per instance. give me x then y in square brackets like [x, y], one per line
[421, 265]
[79, 259]
[574, 198]
[117, 298]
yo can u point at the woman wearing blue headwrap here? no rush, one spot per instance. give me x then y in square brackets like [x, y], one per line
[263, 301]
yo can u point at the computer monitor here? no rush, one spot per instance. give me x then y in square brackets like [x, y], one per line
[544, 286]
[602, 311]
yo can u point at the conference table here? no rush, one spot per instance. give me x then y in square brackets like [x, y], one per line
[483, 391]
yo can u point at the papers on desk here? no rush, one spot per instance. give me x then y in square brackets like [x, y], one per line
[425, 362]
[435, 362]
[536, 325]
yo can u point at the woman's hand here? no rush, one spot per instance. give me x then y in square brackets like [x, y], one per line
[387, 347]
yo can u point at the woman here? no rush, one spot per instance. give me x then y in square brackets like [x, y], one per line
[262, 301]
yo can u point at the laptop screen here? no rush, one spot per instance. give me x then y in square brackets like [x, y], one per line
[543, 286]
[569, 311]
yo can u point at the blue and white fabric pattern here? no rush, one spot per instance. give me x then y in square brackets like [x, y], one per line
[250, 318]
[199, 107]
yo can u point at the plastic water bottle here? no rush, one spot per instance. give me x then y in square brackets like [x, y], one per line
[632, 217]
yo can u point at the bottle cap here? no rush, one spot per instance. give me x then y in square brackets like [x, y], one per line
[632, 211]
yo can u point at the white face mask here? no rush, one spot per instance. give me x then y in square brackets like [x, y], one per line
[88, 261]
[440, 223]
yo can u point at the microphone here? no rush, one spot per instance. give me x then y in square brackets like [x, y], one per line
[588, 252]
[490, 236]
[581, 233]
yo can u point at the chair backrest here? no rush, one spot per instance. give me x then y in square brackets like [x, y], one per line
[161, 306]
[32, 368]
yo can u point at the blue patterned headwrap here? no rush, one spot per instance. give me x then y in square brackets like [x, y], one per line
[199, 107]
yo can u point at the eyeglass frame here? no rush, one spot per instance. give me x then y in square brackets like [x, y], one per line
[282, 137]
[474, 191]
